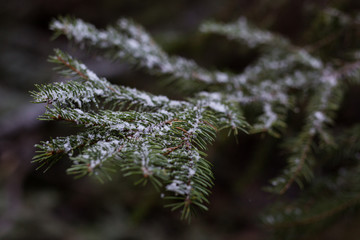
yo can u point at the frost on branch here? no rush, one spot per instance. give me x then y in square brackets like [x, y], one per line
[155, 137]
[266, 82]
[321, 110]
[128, 40]
[243, 31]
[164, 140]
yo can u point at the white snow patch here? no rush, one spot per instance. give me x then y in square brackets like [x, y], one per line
[133, 43]
[67, 145]
[271, 116]
[222, 77]
[94, 163]
[320, 116]
[98, 92]
[191, 172]
[146, 98]
[219, 107]
[92, 76]
[179, 187]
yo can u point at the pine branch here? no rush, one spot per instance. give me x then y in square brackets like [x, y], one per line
[328, 195]
[152, 136]
[254, 37]
[163, 141]
[271, 94]
[321, 111]
[127, 40]
[241, 30]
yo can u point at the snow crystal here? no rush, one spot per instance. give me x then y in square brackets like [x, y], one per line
[67, 145]
[92, 76]
[219, 107]
[57, 25]
[162, 111]
[133, 43]
[136, 135]
[146, 98]
[160, 99]
[319, 119]
[166, 67]
[175, 103]
[179, 187]
[277, 64]
[81, 31]
[94, 163]
[145, 160]
[211, 96]
[330, 79]
[119, 126]
[271, 116]
[78, 111]
[307, 58]
[191, 172]
[152, 60]
[102, 35]
[204, 77]
[98, 91]
[320, 116]
[140, 127]
[222, 77]
[166, 128]
[241, 79]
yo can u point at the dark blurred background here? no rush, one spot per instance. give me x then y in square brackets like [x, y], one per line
[52, 205]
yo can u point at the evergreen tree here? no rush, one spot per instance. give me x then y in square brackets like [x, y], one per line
[164, 141]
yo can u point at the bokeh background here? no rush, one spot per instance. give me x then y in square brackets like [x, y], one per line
[52, 205]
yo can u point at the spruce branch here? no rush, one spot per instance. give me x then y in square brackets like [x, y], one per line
[328, 195]
[253, 37]
[164, 141]
[243, 89]
[321, 111]
[152, 136]
[246, 33]
[127, 40]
